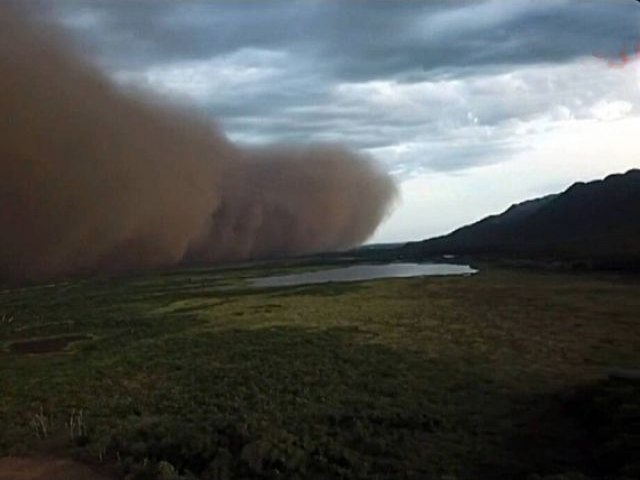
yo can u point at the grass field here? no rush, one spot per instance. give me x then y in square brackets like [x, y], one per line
[193, 374]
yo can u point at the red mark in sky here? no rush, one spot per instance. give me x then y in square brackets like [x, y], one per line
[622, 59]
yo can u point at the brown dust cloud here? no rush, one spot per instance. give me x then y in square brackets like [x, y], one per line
[97, 179]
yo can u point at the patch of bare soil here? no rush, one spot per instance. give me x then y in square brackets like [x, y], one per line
[18, 468]
[45, 345]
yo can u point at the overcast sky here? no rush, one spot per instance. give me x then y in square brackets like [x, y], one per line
[472, 105]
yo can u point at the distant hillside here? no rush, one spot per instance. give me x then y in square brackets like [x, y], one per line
[597, 221]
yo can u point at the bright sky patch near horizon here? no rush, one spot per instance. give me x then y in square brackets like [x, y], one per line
[471, 105]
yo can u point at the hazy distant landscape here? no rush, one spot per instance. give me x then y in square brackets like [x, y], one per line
[593, 225]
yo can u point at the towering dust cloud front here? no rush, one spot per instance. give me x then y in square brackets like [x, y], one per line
[95, 179]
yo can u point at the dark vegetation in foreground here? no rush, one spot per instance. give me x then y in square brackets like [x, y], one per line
[501, 375]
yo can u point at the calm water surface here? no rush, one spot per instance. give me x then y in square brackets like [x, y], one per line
[357, 273]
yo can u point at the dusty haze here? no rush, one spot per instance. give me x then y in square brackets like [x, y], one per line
[96, 179]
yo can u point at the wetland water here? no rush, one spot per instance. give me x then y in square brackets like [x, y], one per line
[357, 273]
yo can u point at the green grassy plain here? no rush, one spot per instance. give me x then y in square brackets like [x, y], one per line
[191, 374]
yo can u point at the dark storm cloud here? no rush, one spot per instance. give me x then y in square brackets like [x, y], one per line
[357, 40]
[325, 60]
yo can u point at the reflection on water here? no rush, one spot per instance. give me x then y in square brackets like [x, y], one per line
[357, 273]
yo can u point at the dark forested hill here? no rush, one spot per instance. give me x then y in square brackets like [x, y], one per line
[598, 221]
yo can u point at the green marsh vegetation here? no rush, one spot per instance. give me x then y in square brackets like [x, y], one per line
[191, 374]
